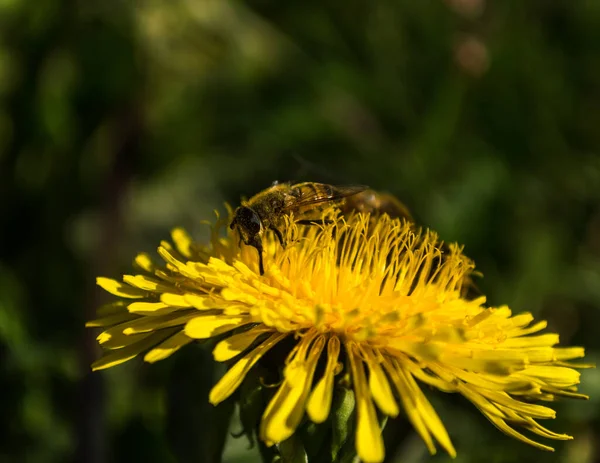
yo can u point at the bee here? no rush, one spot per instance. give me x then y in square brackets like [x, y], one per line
[267, 210]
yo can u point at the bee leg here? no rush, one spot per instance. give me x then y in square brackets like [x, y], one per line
[279, 236]
[257, 243]
[261, 267]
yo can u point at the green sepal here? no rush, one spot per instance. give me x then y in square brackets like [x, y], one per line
[292, 450]
[315, 438]
[343, 419]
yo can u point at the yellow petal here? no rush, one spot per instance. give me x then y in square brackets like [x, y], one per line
[199, 302]
[502, 426]
[188, 271]
[183, 242]
[428, 413]
[522, 408]
[485, 406]
[235, 309]
[119, 356]
[207, 326]
[562, 393]
[542, 340]
[167, 347]
[555, 376]
[174, 300]
[117, 339]
[112, 359]
[518, 321]
[238, 343]
[144, 261]
[410, 408]
[110, 320]
[569, 353]
[539, 326]
[236, 374]
[146, 324]
[541, 431]
[112, 308]
[234, 294]
[369, 443]
[380, 387]
[319, 402]
[286, 409]
[431, 418]
[150, 308]
[120, 289]
[510, 383]
[426, 377]
[147, 283]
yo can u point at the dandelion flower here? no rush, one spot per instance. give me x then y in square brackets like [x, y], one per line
[369, 301]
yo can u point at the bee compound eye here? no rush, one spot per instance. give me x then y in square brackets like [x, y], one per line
[249, 220]
[254, 223]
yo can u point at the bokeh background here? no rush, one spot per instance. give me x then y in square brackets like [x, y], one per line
[120, 120]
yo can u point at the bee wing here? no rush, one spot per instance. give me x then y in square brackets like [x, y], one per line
[306, 194]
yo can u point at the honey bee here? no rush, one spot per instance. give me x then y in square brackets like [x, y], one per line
[268, 209]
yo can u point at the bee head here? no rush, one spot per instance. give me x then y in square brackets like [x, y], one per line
[248, 224]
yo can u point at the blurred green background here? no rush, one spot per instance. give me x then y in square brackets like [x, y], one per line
[120, 120]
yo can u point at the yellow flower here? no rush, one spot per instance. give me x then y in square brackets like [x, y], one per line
[374, 300]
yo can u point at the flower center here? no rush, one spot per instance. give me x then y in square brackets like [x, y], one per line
[357, 277]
